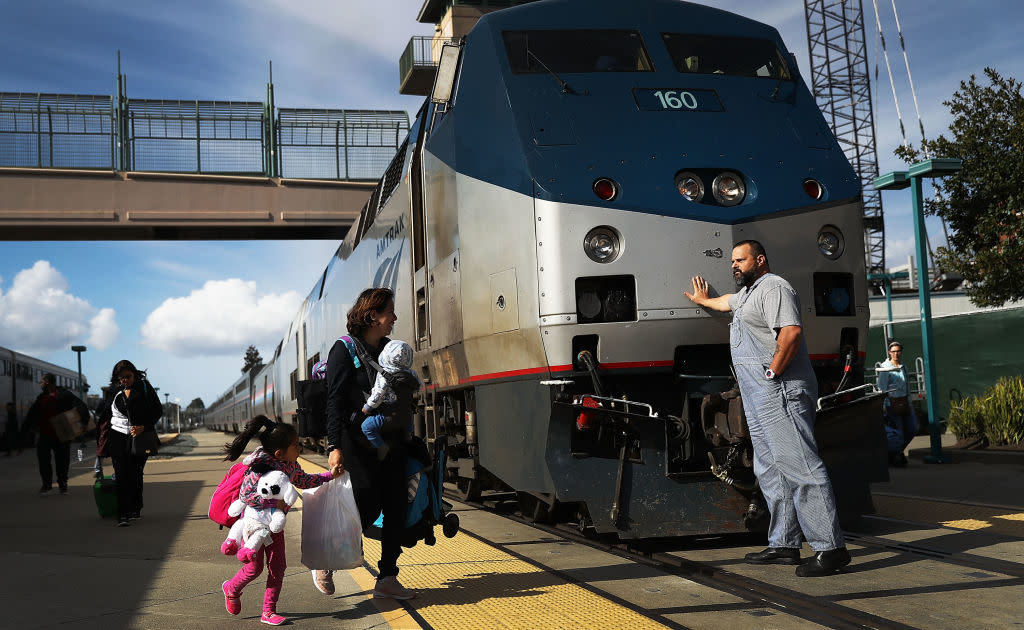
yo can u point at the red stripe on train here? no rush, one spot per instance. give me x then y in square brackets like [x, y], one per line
[557, 369]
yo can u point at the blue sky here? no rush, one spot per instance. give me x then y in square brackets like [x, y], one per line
[187, 310]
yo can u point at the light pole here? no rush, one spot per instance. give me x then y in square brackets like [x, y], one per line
[79, 350]
[887, 279]
[177, 407]
[911, 178]
[167, 404]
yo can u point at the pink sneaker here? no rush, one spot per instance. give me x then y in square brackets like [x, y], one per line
[271, 618]
[389, 587]
[231, 602]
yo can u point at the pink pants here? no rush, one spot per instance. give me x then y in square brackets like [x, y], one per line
[276, 564]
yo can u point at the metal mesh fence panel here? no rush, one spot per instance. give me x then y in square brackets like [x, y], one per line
[215, 137]
[338, 144]
[56, 130]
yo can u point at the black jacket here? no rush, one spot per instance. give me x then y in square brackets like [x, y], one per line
[65, 402]
[142, 407]
[347, 388]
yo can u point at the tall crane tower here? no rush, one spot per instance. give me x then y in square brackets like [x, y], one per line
[842, 88]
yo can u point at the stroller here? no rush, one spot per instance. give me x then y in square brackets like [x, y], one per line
[426, 508]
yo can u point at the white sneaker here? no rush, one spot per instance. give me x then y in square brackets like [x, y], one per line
[324, 581]
[389, 587]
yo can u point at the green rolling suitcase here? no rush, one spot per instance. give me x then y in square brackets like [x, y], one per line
[105, 493]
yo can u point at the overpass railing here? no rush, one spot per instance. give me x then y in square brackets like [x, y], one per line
[73, 131]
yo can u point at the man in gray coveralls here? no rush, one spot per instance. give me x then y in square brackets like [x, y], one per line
[779, 390]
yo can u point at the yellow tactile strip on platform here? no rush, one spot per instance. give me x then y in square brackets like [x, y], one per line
[950, 514]
[462, 582]
[465, 583]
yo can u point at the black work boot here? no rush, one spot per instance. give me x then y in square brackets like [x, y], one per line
[824, 563]
[774, 555]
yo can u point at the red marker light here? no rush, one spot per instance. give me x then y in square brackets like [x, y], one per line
[605, 188]
[813, 189]
[587, 419]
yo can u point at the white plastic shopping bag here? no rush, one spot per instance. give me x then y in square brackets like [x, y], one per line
[332, 536]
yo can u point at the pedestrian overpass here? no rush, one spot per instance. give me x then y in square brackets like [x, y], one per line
[85, 167]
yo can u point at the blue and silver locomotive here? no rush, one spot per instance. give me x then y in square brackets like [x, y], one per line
[577, 163]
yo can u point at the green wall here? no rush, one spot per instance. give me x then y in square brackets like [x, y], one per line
[971, 351]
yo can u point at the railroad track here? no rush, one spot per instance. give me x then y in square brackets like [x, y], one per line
[666, 556]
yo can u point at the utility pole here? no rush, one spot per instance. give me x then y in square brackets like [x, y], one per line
[81, 386]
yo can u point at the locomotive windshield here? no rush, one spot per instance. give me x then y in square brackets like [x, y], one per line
[733, 56]
[569, 51]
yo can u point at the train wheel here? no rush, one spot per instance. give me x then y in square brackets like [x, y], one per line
[468, 489]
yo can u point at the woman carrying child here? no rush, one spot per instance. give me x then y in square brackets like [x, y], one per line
[279, 450]
[379, 485]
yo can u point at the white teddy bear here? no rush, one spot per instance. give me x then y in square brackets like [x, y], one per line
[253, 529]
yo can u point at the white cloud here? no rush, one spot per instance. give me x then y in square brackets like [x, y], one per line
[223, 317]
[104, 329]
[39, 315]
[897, 250]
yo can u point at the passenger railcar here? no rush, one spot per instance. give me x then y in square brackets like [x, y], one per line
[19, 381]
[577, 163]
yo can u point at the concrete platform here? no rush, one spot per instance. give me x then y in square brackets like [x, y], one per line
[66, 567]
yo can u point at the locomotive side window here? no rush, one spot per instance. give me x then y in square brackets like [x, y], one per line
[732, 56]
[569, 51]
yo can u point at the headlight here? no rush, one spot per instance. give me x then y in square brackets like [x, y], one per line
[831, 242]
[689, 186]
[602, 244]
[728, 189]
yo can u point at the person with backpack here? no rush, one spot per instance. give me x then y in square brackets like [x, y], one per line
[379, 485]
[127, 426]
[279, 450]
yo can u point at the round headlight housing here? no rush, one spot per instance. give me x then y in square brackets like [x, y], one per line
[690, 186]
[831, 243]
[728, 189]
[602, 244]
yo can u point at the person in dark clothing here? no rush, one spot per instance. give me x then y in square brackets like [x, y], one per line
[130, 408]
[12, 436]
[52, 402]
[378, 485]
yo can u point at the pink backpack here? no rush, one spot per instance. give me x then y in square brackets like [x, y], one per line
[226, 493]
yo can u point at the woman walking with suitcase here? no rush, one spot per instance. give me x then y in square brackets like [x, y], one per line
[128, 416]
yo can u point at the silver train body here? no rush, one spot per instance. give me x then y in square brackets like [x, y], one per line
[19, 381]
[494, 288]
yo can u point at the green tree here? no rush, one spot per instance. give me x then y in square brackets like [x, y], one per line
[253, 360]
[197, 404]
[981, 203]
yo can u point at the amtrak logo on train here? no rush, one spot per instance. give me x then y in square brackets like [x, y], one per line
[393, 232]
[387, 274]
